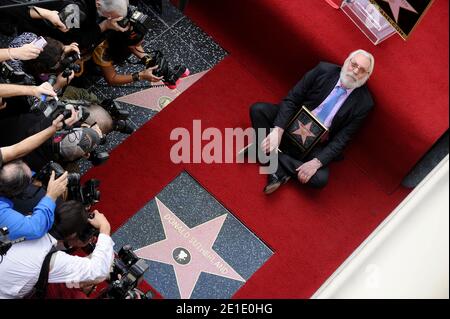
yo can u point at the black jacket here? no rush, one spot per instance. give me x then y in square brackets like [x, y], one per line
[311, 91]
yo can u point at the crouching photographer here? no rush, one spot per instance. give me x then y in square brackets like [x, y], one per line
[30, 265]
[15, 178]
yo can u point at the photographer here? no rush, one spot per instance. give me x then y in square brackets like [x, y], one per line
[15, 177]
[63, 147]
[114, 51]
[21, 266]
[95, 17]
[22, 148]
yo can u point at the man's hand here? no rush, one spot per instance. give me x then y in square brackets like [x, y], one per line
[73, 118]
[62, 81]
[25, 52]
[57, 123]
[73, 47]
[149, 76]
[272, 141]
[2, 104]
[307, 170]
[45, 88]
[53, 18]
[111, 24]
[100, 222]
[56, 187]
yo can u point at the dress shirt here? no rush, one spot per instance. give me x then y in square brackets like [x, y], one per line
[21, 266]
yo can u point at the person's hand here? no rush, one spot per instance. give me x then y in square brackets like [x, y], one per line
[45, 88]
[53, 17]
[25, 52]
[73, 118]
[100, 222]
[149, 76]
[57, 123]
[307, 170]
[62, 81]
[111, 24]
[2, 104]
[272, 141]
[56, 187]
[73, 47]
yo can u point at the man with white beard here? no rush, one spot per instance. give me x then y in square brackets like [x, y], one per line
[338, 97]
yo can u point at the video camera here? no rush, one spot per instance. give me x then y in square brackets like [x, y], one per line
[11, 76]
[170, 76]
[88, 194]
[138, 20]
[127, 272]
[5, 243]
[53, 108]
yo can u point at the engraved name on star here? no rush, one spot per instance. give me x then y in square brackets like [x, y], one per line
[304, 131]
[188, 250]
[397, 4]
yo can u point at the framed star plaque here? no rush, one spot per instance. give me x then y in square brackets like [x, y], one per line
[403, 15]
[303, 132]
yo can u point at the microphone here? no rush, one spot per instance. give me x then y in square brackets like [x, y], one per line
[52, 81]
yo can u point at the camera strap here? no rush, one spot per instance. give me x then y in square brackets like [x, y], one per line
[40, 288]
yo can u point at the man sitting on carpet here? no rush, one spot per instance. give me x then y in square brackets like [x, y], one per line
[338, 97]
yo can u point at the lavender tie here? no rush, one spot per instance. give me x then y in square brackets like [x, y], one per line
[329, 105]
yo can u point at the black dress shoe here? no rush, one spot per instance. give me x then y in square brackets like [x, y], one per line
[274, 182]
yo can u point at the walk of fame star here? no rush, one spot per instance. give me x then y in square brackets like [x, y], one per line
[397, 4]
[304, 131]
[188, 250]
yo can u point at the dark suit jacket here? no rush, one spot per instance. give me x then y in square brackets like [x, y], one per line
[311, 91]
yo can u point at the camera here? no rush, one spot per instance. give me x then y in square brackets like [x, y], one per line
[118, 115]
[5, 243]
[140, 21]
[126, 274]
[10, 76]
[69, 64]
[53, 108]
[87, 194]
[170, 76]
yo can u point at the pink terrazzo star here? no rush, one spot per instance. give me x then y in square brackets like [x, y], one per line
[188, 250]
[304, 131]
[397, 4]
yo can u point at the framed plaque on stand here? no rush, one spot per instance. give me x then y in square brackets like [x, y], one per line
[302, 133]
[368, 19]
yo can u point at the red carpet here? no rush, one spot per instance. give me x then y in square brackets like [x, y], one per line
[279, 40]
[311, 232]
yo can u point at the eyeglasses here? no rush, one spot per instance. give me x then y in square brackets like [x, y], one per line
[355, 65]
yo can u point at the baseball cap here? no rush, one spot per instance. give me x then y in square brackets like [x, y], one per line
[78, 142]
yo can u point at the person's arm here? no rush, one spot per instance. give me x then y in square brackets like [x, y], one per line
[74, 270]
[25, 52]
[9, 90]
[41, 220]
[337, 144]
[293, 101]
[31, 227]
[24, 147]
[49, 15]
[114, 78]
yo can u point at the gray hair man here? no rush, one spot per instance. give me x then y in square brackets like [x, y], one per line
[338, 97]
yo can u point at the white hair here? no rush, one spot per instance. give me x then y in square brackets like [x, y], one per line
[367, 55]
[118, 6]
[348, 79]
